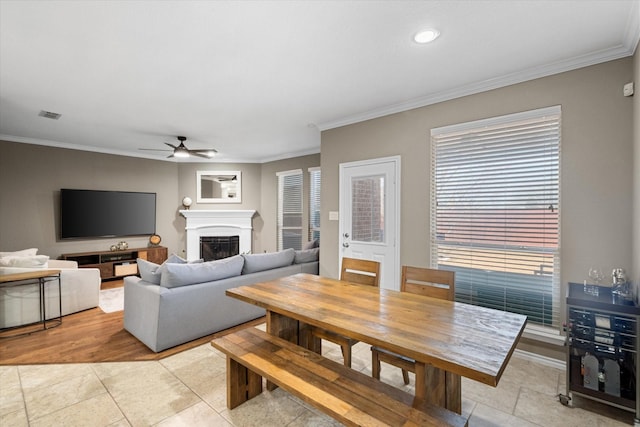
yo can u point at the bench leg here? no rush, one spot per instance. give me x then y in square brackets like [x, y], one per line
[242, 384]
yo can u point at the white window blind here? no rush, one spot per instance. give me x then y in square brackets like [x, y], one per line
[495, 212]
[290, 209]
[314, 203]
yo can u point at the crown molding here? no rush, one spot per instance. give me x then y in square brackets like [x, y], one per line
[79, 147]
[621, 51]
[103, 150]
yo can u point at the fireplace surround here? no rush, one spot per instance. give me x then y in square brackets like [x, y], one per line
[217, 223]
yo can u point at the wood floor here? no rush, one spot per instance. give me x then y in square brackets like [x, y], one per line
[86, 337]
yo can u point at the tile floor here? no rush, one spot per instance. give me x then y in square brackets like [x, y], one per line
[188, 389]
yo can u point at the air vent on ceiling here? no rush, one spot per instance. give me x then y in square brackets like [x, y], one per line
[49, 115]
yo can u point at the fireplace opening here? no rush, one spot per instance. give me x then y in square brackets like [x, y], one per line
[218, 247]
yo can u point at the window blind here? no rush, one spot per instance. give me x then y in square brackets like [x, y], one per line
[314, 203]
[495, 212]
[290, 209]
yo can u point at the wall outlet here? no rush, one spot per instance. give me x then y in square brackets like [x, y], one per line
[334, 216]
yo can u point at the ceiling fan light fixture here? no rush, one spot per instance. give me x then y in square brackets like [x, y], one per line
[180, 153]
[426, 36]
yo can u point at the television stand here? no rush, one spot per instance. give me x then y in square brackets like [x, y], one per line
[117, 264]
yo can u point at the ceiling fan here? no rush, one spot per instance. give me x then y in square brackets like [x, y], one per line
[182, 151]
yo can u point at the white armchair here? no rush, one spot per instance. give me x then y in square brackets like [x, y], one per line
[19, 305]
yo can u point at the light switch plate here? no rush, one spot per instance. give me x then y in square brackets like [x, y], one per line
[334, 216]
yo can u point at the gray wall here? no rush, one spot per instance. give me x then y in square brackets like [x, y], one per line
[269, 186]
[31, 177]
[251, 195]
[596, 165]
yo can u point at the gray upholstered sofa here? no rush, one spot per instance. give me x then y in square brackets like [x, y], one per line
[178, 302]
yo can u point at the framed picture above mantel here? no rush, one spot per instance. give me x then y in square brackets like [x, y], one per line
[219, 186]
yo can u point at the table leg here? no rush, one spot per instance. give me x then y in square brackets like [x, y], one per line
[43, 309]
[283, 327]
[438, 387]
[44, 302]
[454, 392]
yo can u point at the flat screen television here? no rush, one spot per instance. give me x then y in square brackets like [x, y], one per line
[95, 213]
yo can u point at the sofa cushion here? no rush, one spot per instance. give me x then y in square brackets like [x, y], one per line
[260, 262]
[152, 272]
[35, 261]
[307, 255]
[22, 253]
[175, 275]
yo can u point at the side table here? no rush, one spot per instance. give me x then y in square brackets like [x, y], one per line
[41, 278]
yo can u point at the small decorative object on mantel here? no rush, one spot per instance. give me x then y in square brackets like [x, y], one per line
[154, 240]
[123, 245]
[113, 248]
[186, 202]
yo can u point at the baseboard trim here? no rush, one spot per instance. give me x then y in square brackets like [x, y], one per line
[538, 358]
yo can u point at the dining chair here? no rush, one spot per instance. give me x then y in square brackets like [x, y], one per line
[359, 271]
[421, 281]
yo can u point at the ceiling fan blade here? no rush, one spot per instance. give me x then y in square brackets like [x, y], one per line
[171, 145]
[204, 150]
[153, 149]
[196, 153]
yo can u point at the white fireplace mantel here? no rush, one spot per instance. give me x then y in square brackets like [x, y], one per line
[207, 223]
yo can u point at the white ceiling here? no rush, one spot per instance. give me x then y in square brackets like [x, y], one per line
[259, 80]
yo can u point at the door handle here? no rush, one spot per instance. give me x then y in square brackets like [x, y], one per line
[345, 245]
[346, 235]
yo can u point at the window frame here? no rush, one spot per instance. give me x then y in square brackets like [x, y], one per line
[315, 187]
[282, 178]
[467, 130]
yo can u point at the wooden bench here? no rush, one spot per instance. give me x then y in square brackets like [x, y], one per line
[349, 396]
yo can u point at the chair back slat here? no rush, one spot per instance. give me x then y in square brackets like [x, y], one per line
[428, 282]
[361, 271]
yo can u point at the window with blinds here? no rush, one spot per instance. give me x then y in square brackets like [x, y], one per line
[495, 212]
[314, 203]
[290, 209]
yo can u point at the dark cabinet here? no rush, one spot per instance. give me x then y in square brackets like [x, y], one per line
[602, 349]
[116, 264]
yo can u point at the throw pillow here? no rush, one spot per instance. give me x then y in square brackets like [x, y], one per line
[35, 261]
[312, 244]
[24, 252]
[149, 271]
[175, 259]
[176, 275]
[307, 255]
[152, 272]
[260, 262]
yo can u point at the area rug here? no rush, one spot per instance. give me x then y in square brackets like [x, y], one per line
[111, 300]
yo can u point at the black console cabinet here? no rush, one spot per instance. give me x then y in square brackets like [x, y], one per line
[602, 349]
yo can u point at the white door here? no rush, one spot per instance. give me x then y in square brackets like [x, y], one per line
[370, 213]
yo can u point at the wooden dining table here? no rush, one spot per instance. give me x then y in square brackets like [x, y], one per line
[448, 340]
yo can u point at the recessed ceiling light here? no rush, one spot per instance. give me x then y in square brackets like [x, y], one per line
[426, 36]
